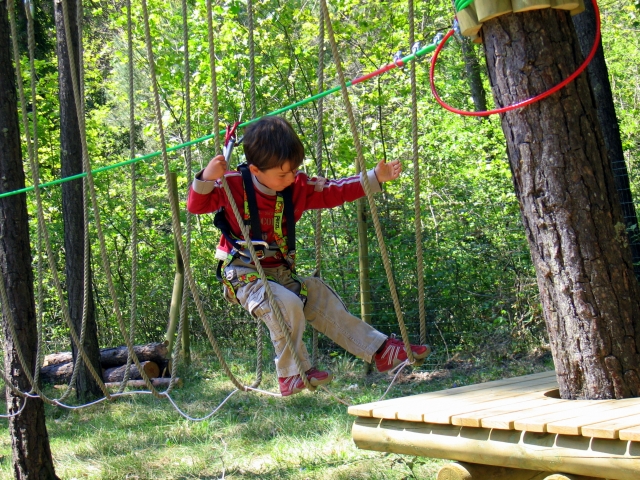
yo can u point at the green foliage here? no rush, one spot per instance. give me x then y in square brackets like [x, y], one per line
[479, 283]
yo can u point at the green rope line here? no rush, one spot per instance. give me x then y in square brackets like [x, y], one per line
[462, 4]
[420, 53]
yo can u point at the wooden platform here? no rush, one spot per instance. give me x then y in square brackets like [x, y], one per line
[518, 422]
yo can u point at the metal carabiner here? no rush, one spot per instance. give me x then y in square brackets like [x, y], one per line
[397, 59]
[415, 48]
[243, 243]
[230, 140]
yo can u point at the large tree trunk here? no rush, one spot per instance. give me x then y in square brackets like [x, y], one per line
[569, 205]
[585, 24]
[73, 209]
[29, 437]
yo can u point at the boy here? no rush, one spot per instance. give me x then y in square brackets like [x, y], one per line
[274, 153]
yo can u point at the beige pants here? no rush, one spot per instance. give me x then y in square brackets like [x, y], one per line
[324, 310]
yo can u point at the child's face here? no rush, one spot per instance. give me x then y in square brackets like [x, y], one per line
[277, 178]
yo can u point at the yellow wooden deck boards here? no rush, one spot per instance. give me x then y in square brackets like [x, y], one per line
[432, 410]
[573, 426]
[365, 410]
[632, 434]
[611, 428]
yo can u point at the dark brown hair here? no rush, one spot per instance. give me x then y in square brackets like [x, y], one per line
[270, 142]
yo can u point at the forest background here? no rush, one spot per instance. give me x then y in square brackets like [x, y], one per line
[481, 293]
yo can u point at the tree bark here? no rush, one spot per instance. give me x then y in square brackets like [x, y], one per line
[585, 24]
[570, 209]
[29, 437]
[72, 207]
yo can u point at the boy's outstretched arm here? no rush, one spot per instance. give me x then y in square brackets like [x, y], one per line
[387, 171]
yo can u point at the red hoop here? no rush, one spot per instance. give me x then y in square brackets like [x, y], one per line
[524, 103]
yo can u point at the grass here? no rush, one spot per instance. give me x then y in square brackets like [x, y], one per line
[253, 436]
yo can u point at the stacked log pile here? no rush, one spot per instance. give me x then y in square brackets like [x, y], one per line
[58, 367]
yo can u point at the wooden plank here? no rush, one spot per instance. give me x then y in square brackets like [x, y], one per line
[632, 434]
[488, 9]
[577, 408]
[438, 407]
[468, 21]
[475, 418]
[507, 420]
[365, 410]
[611, 428]
[527, 5]
[502, 418]
[547, 452]
[565, 4]
[573, 426]
[416, 406]
[440, 411]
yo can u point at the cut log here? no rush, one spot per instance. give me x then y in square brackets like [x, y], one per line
[114, 357]
[116, 374]
[153, 352]
[156, 382]
[57, 374]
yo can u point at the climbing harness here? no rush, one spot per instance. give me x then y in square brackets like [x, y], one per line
[285, 246]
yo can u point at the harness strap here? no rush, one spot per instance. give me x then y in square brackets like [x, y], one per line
[251, 203]
[251, 277]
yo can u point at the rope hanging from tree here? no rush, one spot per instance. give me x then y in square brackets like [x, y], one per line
[367, 187]
[416, 183]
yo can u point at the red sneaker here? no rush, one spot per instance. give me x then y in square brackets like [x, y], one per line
[295, 384]
[392, 354]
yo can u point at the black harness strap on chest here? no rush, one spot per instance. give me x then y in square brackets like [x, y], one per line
[287, 196]
[222, 223]
[250, 191]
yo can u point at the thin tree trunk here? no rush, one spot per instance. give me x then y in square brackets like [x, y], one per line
[599, 77]
[73, 209]
[570, 209]
[472, 67]
[29, 437]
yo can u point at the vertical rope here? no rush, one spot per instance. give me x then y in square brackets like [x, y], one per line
[416, 184]
[254, 114]
[133, 312]
[252, 61]
[214, 85]
[188, 219]
[41, 225]
[96, 212]
[319, 142]
[34, 113]
[367, 188]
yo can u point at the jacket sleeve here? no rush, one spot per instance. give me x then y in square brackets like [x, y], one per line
[204, 196]
[324, 193]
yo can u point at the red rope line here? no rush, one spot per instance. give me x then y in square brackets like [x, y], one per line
[524, 103]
